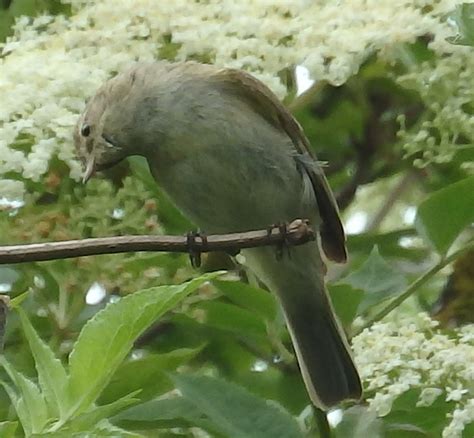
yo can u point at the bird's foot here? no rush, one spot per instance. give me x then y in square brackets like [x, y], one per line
[195, 250]
[283, 246]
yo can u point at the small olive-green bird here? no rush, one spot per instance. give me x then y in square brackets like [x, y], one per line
[232, 159]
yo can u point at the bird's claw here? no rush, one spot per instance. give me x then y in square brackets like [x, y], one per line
[283, 246]
[193, 250]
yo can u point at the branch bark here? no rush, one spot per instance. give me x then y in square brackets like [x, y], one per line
[296, 233]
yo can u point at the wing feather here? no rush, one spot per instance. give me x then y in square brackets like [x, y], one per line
[264, 102]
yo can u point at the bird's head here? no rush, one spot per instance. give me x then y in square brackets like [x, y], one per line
[99, 133]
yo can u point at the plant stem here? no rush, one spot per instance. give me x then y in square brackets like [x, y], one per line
[414, 286]
[322, 422]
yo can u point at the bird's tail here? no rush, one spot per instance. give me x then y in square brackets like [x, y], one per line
[323, 355]
[322, 351]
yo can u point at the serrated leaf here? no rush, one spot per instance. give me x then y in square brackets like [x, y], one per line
[163, 413]
[148, 374]
[51, 373]
[8, 429]
[249, 297]
[431, 419]
[389, 244]
[346, 301]
[88, 420]
[377, 279]
[108, 337]
[446, 213]
[232, 318]
[15, 399]
[236, 411]
[30, 406]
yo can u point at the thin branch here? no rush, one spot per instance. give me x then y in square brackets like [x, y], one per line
[297, 233]
[420, 281]
[395, 194]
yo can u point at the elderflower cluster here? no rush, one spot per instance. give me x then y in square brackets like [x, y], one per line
[446, 87]
[51, 65]
[394, 357]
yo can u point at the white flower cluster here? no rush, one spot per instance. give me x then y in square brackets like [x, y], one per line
[446, 87]
[396, 356]
[52, 64]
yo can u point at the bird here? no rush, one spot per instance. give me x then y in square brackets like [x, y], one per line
[232, 158]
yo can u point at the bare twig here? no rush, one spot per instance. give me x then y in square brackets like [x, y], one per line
[322, 422]
[297, 233]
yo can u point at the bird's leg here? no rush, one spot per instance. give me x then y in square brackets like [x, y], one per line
[193, 250]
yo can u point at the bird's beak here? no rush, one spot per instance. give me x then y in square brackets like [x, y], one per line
[90, 169]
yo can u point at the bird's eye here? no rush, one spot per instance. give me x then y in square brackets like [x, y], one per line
[85, 130]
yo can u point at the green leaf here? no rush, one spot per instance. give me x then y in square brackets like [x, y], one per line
[431, 419]
[148, 374]
[464, 17]
[88, 420]
[163, 413]
[346, 301]
[8, 429]
[51, 373]
[389, 244]
[235, 411]
[377, 279]
[249, 297]
[19, 408]
[108, 337]
[6, 20]
[231, 318]
[446, 213]
[30, 406]
[23, 7]
[359, 422]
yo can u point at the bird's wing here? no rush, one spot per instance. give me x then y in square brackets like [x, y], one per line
[262, 100]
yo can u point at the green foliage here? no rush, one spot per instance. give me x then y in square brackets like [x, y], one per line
[377, 279]
[446, 213]
[234, 411]
[8, 429]
[157, 360]
[218, 406]
[64, 400]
